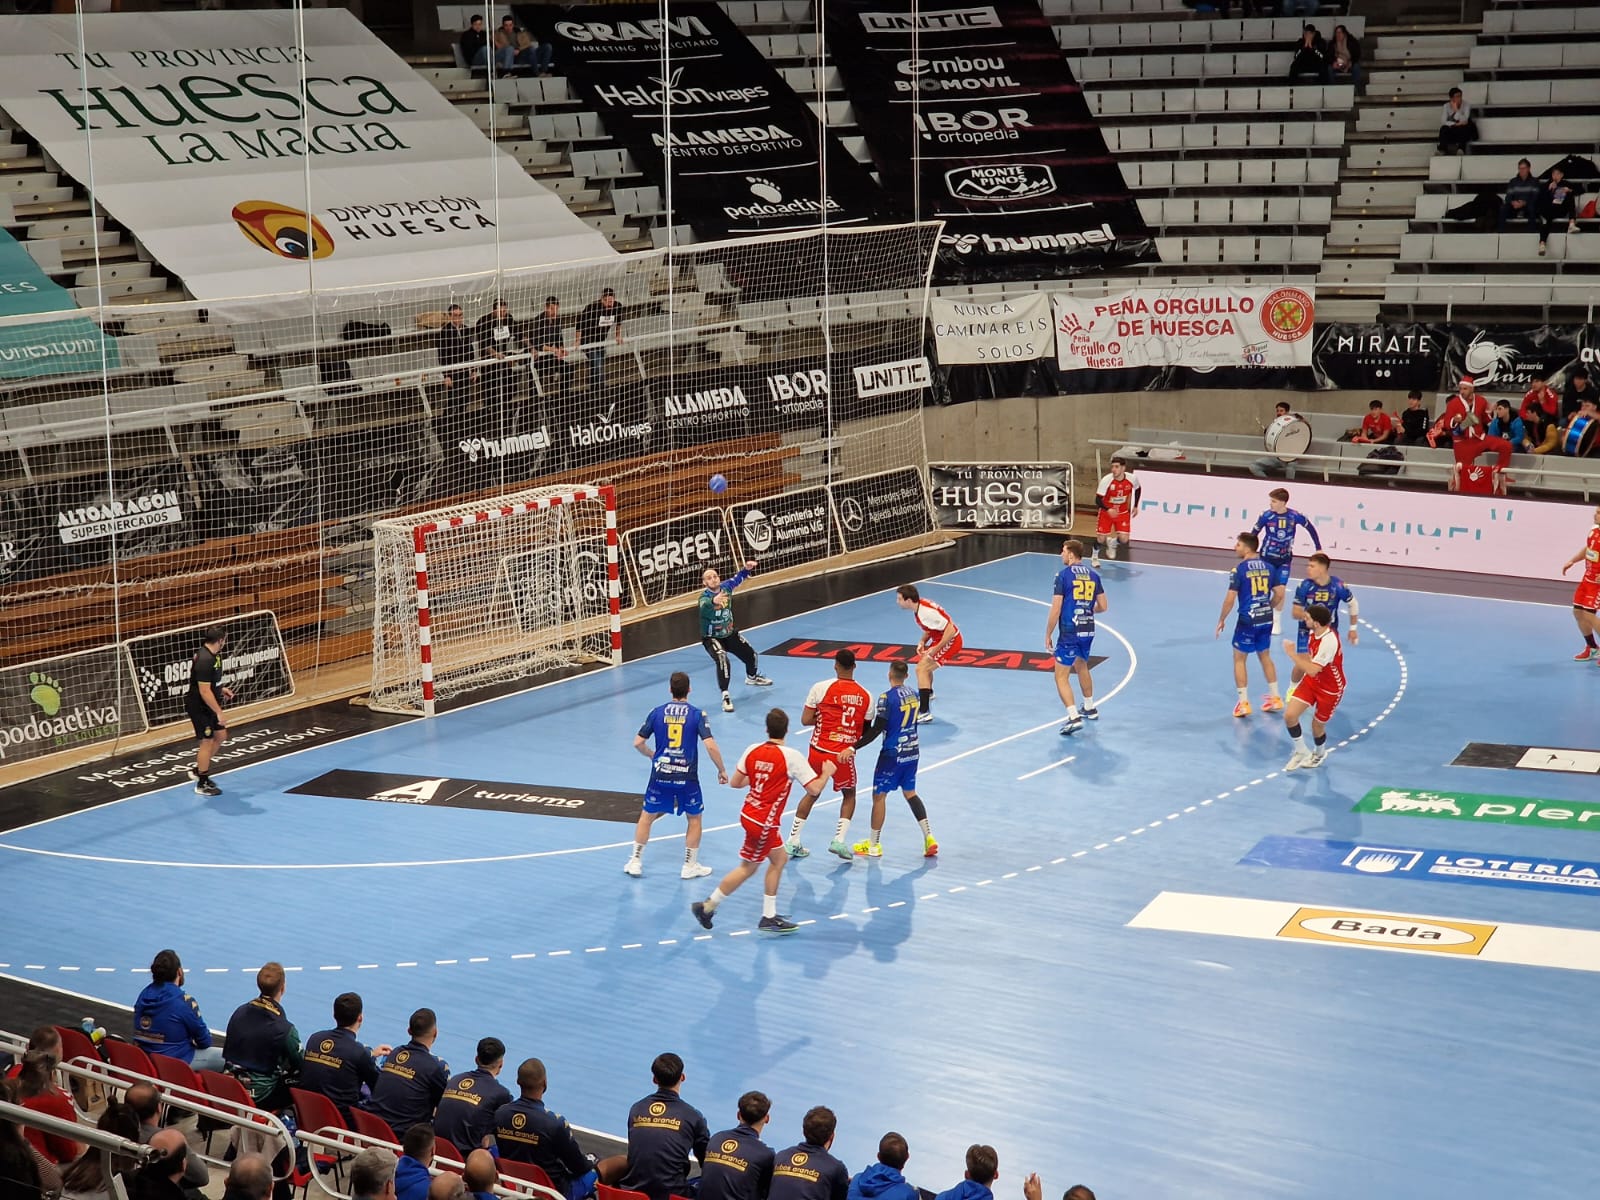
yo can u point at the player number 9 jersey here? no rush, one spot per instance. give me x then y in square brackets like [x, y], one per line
[678, 729]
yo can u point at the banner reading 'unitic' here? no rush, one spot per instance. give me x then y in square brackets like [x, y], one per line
[1185, 327]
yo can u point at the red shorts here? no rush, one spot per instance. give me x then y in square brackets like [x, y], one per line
[760, 840]
[1322, 701]
[1588, 595]
[1110, 523]
[844, 773]
[943, 655]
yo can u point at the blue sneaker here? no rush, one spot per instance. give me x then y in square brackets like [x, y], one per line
[842, 850]
[796, 850]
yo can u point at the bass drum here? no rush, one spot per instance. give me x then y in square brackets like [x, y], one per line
[1579, 439]
[1288, 437]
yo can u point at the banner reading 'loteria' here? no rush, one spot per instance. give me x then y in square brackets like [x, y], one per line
[1185, 327]
[198, 126]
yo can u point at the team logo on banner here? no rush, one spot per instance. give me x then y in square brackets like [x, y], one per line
[282, 230]
[1287, 314]
[1198, 327]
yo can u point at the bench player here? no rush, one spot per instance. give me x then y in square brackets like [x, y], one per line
[1320, 689]
[1117, 498]
[836, 709]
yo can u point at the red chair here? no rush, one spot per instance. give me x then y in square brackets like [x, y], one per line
[223, 1087]
[602, 1192]
[314, 1112]
[176, 1072]
[444, 1148]
[129, 1057]
[76, 1044]
[533, 1173]
[371, 1126]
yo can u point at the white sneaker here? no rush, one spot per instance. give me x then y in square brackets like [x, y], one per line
[758, 681]
[1300, 758]
[924, 718]
[1318, 757]
[1094, 560]
[694, 871]
[727, 702]
[633, 867]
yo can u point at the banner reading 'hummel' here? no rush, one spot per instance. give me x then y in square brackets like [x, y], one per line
[978, 103]
[743, 147]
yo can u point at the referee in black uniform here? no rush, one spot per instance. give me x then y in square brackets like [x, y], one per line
[203, 703]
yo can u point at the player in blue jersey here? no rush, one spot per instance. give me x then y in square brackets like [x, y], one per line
[1069, 632]
[1322, 587]
[1276, 529]
[676, 728]
[1253, 584]
[895, 717]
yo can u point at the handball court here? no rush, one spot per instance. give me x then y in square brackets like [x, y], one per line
[1145, 958]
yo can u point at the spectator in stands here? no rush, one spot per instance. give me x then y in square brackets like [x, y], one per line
[599, 325]
[503, 49]
[465, 1116]
[86, 1178]
[1508, 426]
[250, 1177]
[1310, 61]
[144, 1102]
[1032, 1189]
[166, 1020]
[546, 339]
[1414, 420]
[1344, 60]
[411, 1174]
[473, 40]
[1522, 196]
[28, 1175]
[456, 348]
[1464, 411]
[372, 1175]
[495, 333]
[983, 1168]
[1272, 465]
[481, 1175]
[738, 1163]
[263, 1046]
[336, 1064]
[447, 1186]
[46, 1038]
[1377, 427]
[1578, 389]
[663, 1131]
[35, 1088]
[1541, 415]
[1557, 199]
[158, 1178]
[1579, 436]
[525, 1131]
[1456, 128]
[534, 55]
[412, 1080]
[808, 1171]
[883, 1180]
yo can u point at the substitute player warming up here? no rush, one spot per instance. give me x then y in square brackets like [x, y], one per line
[1118, 500]
[895, 717]
[1252, 584]
[771, 770]
[718, 635]
[1275, 528]
[1586, 600]
[676, 728]
[1320, 689]
[1327, 589]
[836, 709]
[203, 703]
[940, 639]
[1079, 595]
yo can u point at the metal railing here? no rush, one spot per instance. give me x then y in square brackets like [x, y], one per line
[109, 1144]
[340, 1143]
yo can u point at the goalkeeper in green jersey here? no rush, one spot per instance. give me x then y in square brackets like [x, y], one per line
[718, 635]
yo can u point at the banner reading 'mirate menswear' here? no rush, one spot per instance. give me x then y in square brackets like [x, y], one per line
[977, 105]
[692, 92]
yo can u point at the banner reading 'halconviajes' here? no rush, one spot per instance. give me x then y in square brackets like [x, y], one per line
[1185, 327]
[198, 126]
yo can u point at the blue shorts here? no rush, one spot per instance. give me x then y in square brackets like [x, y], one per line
[892, 775]
[1280, 571]
[1070, 648]
[683, 799]
[1252, 639]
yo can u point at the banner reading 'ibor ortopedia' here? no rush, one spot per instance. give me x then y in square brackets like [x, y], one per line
[1185, 327]
[198, 126]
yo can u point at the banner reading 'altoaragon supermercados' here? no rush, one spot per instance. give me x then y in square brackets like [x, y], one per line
[1185, 327]
[977, 104]
[198, 127]
[742, 146]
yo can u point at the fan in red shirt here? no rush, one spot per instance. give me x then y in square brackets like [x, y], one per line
[1118, 501]
[1586, 600]
[771, 769]
[939, 641]
[1465, 418]
[1320, 688]
[1377, 427]
[35, 1088]
[836, 709]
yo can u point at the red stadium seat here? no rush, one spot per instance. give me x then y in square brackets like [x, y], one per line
[175, 1072]
[314, 1112]
[76, 1044]
[530, 1173]
[370, 1126]
[129, 1057]
[602, 1192]
[444, 1148]
[225, 1087]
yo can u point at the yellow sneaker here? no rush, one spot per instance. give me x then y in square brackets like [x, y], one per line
[868, 849]
[930, 848]
[1242, 709]
[1271, 704]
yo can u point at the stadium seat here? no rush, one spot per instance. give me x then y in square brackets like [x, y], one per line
[175, 1072]
[372, 1126]
[74, 1042]
[532, 1173]
[444, 1148]
[313, 1111]
[128, 1057]
[604, 1192]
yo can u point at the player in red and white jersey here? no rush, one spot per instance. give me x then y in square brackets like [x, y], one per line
[837, 710]
[1118, 499]
[1320, 688]
[1586, 600]
[939, 641]
[771, 770]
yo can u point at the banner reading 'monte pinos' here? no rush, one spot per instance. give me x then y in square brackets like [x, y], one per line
[977, 105]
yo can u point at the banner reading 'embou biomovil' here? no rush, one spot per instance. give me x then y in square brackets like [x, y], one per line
[1201, 327]
[976, 105]
[198, 126]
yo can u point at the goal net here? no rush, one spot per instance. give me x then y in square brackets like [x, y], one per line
[476, 595]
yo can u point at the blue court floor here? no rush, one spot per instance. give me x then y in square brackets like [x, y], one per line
[998, 993]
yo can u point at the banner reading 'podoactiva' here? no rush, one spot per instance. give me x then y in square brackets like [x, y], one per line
[1204, 327]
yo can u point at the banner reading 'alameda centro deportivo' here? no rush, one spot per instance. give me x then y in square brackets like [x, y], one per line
[742, 146]
[198, 126]
[977, 104]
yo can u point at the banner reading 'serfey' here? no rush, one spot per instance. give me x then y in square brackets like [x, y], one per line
[198, 126]
[1185, 327]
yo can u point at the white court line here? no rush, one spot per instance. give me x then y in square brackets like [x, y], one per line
[1060, 762]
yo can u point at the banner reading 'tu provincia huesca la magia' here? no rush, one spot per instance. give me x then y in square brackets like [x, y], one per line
[977, 104]
[1203, 327]
[199, 128]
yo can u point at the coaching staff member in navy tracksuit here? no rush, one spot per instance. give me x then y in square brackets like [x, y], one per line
[808, 1171]
[336, 1064]
[738, 1163]
[411, 1081]
[663, 1130]
[465, 1116]
[526, 1131]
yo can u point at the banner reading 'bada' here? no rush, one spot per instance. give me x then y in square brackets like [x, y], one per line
[1205, 327]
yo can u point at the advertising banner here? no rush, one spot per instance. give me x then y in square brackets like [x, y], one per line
[253, 665]
[199, 127]
[786, 530]
[63, 346]
[992, 331]
[1505, 361]
[1436, 530]
[691, 93]
[1185, 327]
[24, 288]
[974, 108]
[1001, 495]
[669, 557]
[67, 703]
[1380, 357]
[882, 508]
[254, 491]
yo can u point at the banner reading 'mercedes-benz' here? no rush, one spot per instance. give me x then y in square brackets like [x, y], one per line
[977, 104]
[1204, 327]
[691, 93]
[198, 126]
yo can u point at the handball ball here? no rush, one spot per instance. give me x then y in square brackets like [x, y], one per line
[718, 484]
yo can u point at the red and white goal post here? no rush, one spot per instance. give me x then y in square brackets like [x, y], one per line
[478, 595]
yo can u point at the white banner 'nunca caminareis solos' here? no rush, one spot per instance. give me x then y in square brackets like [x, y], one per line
[1185, 327]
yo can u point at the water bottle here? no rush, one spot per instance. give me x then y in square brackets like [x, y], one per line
[95, 1033]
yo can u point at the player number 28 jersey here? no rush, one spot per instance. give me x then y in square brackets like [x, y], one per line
[841, 706]
[1252, 580]
[897, 709]
[772, 771]
[1079, 586]
[677, 728]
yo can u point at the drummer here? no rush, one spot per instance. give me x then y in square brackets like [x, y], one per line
[1272, 466]
[1582, 430]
